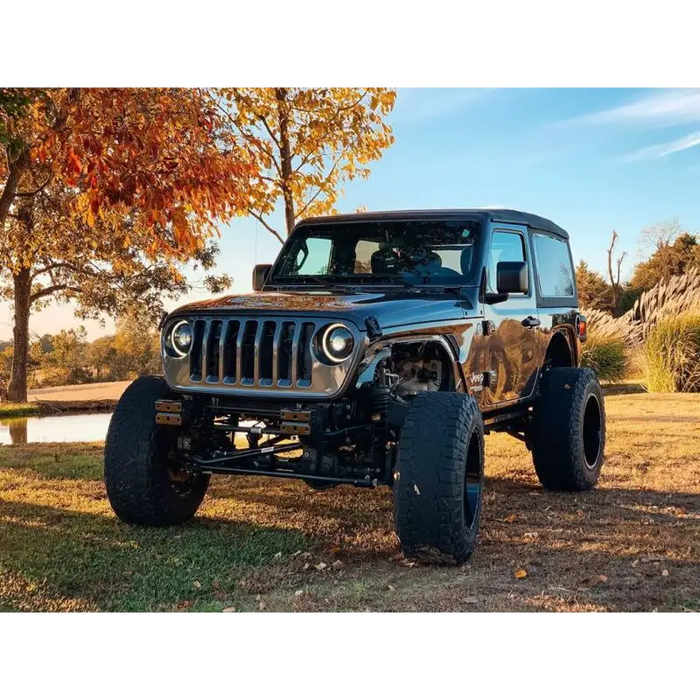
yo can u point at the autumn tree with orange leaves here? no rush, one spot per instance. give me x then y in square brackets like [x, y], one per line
[308, 141]
[105, 193]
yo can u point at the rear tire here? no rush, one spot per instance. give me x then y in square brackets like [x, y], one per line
[568, 440]
[145, 484]
[439, 478]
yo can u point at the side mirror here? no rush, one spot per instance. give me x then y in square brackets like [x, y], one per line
[260, 274]
[511, 278]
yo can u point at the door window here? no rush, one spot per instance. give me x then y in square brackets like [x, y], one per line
[505, 247]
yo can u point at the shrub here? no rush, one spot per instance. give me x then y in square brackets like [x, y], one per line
[605, 354]
[673, 355]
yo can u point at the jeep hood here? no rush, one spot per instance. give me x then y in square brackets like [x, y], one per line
[390, 308]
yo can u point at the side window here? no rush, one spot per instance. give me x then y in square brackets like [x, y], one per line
[555, 275]
[505, 247]
[363, 256]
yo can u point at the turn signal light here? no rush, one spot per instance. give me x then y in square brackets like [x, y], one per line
[582, 328]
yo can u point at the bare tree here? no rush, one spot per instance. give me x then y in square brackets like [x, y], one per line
[614, 275]
[658, 236]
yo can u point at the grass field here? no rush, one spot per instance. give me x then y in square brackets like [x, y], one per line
[632, 544]
[18, 410]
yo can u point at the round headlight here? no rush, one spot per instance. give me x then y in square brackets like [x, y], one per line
[181, 338]
[338, 343]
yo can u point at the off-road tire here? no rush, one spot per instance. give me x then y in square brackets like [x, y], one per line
[441, 446]
[568, 440]
[138, 470]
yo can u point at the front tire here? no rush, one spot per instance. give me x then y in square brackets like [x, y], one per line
[568, 440]
[439, 478]
[145, 484]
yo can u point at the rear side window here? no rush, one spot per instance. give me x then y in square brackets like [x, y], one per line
[555, 275]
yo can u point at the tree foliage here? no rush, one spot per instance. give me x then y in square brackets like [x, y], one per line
[672, 255]
[308, 141]
[105, 193]
[593, 291]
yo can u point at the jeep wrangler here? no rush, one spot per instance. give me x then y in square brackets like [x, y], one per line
[377, 350]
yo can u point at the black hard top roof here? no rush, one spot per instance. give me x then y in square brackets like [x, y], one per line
[505, 216]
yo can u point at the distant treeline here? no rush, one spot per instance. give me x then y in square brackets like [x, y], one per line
[68, 358]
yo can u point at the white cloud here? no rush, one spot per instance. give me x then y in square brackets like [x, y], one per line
[660, 150]
[665, 108]
[423, 104]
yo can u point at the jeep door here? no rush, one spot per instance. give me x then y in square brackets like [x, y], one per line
[510, 327]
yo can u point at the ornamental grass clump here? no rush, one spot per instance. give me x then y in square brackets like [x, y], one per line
[673, 355]
[606, 356]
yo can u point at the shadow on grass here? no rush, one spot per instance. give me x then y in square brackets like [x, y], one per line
[111, 566]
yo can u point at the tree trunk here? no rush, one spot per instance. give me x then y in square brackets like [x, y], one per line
[17, 390]
[285, 159]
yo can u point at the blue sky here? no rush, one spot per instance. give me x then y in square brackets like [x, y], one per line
[591, 160]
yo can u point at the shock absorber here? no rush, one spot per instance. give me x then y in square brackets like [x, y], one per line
[379, 403]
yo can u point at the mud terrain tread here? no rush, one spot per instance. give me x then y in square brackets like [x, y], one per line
[429, 477]
[137, 485]
[557, 445]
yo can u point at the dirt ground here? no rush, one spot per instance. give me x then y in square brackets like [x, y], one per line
[79, 392]
[631, 544]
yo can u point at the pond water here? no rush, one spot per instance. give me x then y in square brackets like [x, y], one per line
[72, 427]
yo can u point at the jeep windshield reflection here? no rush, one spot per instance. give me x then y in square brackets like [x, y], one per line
[381, 253]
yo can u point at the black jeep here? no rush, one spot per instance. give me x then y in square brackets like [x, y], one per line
[377, 350]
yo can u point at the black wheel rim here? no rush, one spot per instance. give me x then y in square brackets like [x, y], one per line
[592, 431]
[472, 481]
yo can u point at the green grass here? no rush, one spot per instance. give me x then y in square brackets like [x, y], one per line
[672, 353]
[61, 548]
[15, 410]
[275, 544]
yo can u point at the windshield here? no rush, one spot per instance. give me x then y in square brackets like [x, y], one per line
[375, 252]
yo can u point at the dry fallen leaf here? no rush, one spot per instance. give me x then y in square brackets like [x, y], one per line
[664, 572]
[407, 563]
[390, 587]
[337, 564]
[229, 610]
[197, 584]
[306, 566]
[520, 573]
[602, 578]
[510, 518]
[262, 605]
[634, 563]
[320, 566]
[299, 592]
[278, 555]
[471, 600]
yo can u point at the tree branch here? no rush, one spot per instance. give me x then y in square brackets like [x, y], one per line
[36, 191]
[267, 226]
[48, 291]
[12, 183]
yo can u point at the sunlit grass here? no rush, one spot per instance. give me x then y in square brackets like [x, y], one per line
[15, 410]
[279, 545]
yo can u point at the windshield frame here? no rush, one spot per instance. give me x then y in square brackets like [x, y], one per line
[370, 279]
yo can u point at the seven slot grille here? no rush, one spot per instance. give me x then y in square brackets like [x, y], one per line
[260, 353]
